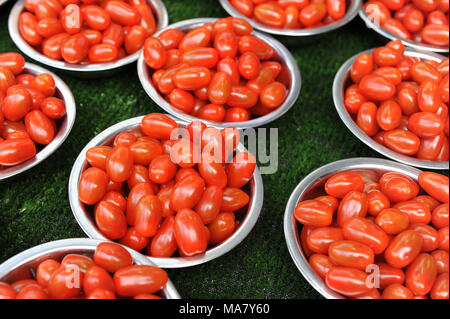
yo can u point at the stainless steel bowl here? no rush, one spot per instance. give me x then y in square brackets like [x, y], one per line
[20, 264]
[80, 70]
[87, 223]
[290, 75]
[65, 125]
[341, 81]
[2, 2]
[304, 35]
[312, 186]
[386, 34]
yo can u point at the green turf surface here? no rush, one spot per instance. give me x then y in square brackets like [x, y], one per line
[34, 207]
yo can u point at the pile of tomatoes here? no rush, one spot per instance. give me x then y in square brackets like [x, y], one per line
[292, 14]
[217, 72]
[150, 193]
[372, 236]
[86, 31]
[29, 110]
[422, 21]
[401, 101]
[108, 274]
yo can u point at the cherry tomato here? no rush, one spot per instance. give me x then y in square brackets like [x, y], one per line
[321, 264]
[112, 257]
[122, 13]
[376, 87]
[92, 186]
[347, 281]
[189, 233]
[119, 164]
[439, 216]
[421, 274]
[403, 249]
[148, 215]
[187, 193]
[397, 291]
[320, 238]
[75, 49]
[353, 204]
[392, 220]
[389, 275]
[436, 185]
[110, 220]
[366, 232]
[234, 199]
[45, 270]
[163, 243]
[58, 287]
[429, 235]
[97, 278]
[441, 287]
[139, 279]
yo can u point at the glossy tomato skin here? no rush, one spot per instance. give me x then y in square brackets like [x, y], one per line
[110, 220]
[353, 204]
[16, 151]
[134, 240]
[429, 235]
[189, 233]
[441, 287]
[314, 213]
[421, 274]
[32, 292]
[57, 285]
[439, 216]
[320, 238]
[349, 253]
[148, 215]
[210, 204]
[436, 185]
[397, 291]
[417, 212]
[366, 232]
[112, 257]
[92, 186]
[40, 128]
[403, 249]
[95, 278]
[75, 49]
[158, 126]
[389, 275]
[342, 183]
[45, 270]
[321, 264]
[163, 243]
[221, 227]
[138, 279]
[137, 192]
[187, 192]
[347, 281]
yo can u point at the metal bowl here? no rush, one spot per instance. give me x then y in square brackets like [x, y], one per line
[16, 267]
[386, 34]
[80, 70]
[65, 125]
[290, 76]
[304, 35]
[312, 186]
[86, 222]
[341, 81]
[3, 2]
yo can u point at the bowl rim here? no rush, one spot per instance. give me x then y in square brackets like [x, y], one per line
[291, 65]
[338, 87]
[159, 11]
[290, 224]
[349, 16]
[63, 132]
[253, 212]
[3, 2]
[88, 244]
[386, 34]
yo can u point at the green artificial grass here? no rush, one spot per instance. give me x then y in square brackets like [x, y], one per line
[34, 207]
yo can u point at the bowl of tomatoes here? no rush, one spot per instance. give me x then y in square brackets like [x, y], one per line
[371, 228]
[419, 24]
[383, 96]
[295, 21]
[135, 184]
[233, 77]
[86, 40]
[103, 271]
[36, 115]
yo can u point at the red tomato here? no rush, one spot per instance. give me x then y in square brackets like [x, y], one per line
[110, 220]
[54, 108]
[389, 115]
[189, 233]
[148, 215]
[28, 28]
[349, 253]
[436, 185]
[376, 202]
[102, 53]
[376, 87]
[92, 186]
[389, 275]
[392, 221]
[58, 287]
[210, 203]
[234, 199]
[163, 243]
[187, 192]
[443, 239]
[122, 13]
[119, 164]
[397, 291]
[320, 238]
[72, 19]
[421, 274]
[40, 128]
[403, 249]
[101, 294]
[75, 49]
[32, 292]
[97, 278]
[197, 38]
[139, 279]
[366, 232]
[45, 270]
[17, 103]
[441, 287]
[249, 43]
[133, 240]
[313, 213]
[221, 227]
[313, 13]
[417, 212]
[439, 216]
[15, 62]
[321, 264]
[347, 281]
[429, 235]
[112, 257]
